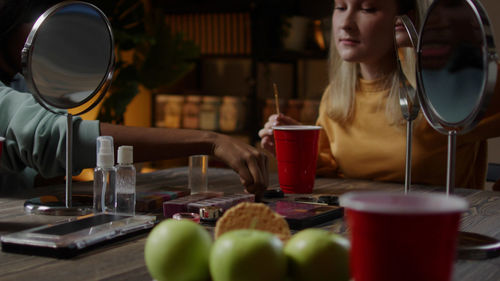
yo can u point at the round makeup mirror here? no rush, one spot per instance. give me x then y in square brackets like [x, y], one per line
[405, 43]
[68, 62]
[457, 69]
[68, 56]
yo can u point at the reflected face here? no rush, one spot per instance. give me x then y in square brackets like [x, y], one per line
[404, 32]
[401, 34]
[363, 30]
[452, 63]
[450, 29]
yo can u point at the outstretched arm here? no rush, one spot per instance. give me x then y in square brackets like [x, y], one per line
[152, 144]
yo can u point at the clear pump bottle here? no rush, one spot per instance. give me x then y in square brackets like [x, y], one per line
[104, 176]
[125, 181]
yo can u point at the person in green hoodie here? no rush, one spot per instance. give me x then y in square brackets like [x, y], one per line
[35, 138]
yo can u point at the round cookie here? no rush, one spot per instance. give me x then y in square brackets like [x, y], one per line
[253, 216]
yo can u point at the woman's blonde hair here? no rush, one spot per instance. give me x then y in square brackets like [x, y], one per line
[344, 78]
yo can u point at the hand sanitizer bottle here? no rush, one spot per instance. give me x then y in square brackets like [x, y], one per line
[125, 181]
[104, 176]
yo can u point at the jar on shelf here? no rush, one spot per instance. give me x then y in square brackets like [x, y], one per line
[230, 114]
[173, 111]
[309, 112]
[160, 104]
[293, 109]
[191, 112]
[242, 114]
[209, 113]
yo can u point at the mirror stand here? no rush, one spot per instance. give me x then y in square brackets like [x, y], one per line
[60, 208]
[451, 33]
[450, 163]
[405, 42]
[68, 62]
[471, 245]
[409, 135]
[69, 160]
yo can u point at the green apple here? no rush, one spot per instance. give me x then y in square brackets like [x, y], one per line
[178, 250]
[315, 254]
[247, 255]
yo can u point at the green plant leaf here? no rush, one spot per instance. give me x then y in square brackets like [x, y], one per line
[123, 90]
[160, 58]
[169, 59]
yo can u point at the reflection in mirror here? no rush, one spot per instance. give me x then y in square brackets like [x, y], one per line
[70, 56]
[405, 41]
[456, 70]
[67, 60]
[457, 66]
[452, 62]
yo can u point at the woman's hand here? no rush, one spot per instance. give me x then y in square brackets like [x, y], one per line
[266, 133]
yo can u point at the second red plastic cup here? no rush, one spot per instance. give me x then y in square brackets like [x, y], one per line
[398, 237]
[296, 152]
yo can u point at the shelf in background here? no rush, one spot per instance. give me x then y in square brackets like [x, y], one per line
[241, 50]
[292, 56]
[278, 56]
[215, 33]
[317, 9]
[199, 6]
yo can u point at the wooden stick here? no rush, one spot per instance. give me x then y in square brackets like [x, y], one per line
[276, 100]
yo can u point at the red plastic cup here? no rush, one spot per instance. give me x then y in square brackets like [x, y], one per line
[296, 152]
[398, 237]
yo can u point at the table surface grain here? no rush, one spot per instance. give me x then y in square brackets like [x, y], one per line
[124, 260]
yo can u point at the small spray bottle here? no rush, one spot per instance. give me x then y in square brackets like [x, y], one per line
[104, 176]
[125, 181]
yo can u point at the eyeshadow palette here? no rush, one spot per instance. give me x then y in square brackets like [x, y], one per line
[302, 215]
[179, 205]
[225, 202]
[152, 201]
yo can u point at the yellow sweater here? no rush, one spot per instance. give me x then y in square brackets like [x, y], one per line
[370, 148]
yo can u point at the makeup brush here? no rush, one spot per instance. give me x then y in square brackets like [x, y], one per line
[276, 100]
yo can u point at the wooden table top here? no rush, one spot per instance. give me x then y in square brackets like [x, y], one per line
[124, 260]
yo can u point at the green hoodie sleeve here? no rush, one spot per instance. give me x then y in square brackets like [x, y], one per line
[36, 138]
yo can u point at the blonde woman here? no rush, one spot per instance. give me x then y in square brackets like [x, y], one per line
[363, 132]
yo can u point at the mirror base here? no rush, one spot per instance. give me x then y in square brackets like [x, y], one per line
[51, 205]
[474, 246]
